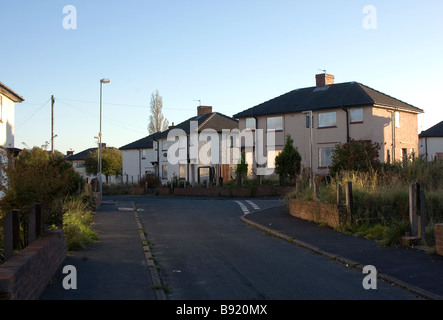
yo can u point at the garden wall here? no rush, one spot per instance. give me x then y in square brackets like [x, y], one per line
[315, 211]
[261, 191]
[27, 273]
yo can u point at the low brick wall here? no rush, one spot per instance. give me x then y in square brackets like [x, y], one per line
[260, 191]
[27, 273]
[439, 239]
[315, 211]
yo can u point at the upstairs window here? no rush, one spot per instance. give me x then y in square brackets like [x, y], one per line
[356, 115]
[250, 124]
[397, 119]
[327, 119]
[274, 123]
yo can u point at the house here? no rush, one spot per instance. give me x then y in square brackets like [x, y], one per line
[77, 161]
[320, 117]
[185, 152]
[8, 99]
[139, 159]
[431, 143]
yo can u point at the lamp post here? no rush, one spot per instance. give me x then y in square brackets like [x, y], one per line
[100, 184]
[310, 125]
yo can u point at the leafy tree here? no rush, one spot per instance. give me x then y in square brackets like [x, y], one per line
[355, 155]
[288, 162]
[35, 176]
[241, 169]
[112, 162]
[157, 122]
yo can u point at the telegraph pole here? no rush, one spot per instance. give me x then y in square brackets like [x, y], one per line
[52, 124]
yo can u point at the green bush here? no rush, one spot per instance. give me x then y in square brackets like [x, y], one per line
[77, 224]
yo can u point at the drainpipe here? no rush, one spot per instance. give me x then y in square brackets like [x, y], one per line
[426, 148]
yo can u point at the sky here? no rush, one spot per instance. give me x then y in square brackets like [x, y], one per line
[231, 55]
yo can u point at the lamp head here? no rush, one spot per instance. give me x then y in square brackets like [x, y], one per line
[105, 80]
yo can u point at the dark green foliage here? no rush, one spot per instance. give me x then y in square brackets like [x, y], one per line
[112, 162]
[36, 176]
[288, 162]
[355, 155]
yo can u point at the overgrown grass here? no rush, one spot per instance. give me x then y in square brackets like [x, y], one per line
[78, 218]
[381, 199]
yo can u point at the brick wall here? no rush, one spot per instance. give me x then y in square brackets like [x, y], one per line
[439, 238]
[26, 274]
[315, 211]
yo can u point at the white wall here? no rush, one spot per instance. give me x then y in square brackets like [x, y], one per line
[136, 163]
[7, 122]
[433, 146]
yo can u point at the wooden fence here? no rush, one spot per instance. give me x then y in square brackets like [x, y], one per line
[19, 230]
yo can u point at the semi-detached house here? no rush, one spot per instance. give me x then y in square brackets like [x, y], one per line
[339, 112]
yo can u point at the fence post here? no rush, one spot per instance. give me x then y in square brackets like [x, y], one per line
[339, 195]
[423, 217]
[349, 198]
[8, 236]
[31, 225]
[16, 241]
[413, 219]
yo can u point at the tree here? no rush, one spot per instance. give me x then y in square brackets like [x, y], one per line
[355, 155]
[288, 162]
[112, 162]
[157, 122]
[241, 169]
[34, 176]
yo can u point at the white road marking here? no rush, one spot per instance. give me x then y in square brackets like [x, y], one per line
[256, 207]
[243, 207]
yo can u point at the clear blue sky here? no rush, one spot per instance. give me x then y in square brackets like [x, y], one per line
[231, 55]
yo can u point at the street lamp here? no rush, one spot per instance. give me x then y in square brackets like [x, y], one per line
[100, 184]
[310, 125]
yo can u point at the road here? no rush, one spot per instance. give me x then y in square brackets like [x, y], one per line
[204, 251]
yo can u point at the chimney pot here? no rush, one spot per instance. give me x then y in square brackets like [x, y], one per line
[324, 79]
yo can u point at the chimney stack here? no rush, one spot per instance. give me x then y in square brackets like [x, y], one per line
[203, 110]
[324, 79]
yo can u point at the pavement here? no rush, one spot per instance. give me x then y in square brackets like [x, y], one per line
[115, 267]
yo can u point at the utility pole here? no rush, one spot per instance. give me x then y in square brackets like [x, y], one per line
[52, 124]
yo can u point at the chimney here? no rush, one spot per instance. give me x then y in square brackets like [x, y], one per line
[203, 110]
[324, 79]
[69, 153]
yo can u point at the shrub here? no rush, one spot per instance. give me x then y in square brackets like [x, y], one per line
[77, 224]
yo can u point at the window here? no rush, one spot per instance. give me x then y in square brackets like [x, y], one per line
[182, 173]
[164, 145]
[249, 160]
[327, 119]
[274, 123]
[250, 124]
[144, 152]
[165, 171]
[397, 119]
[356, 115]
[272, 154]
[325, 157]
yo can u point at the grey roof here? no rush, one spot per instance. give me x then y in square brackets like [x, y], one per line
[214, 120]
[143, 143]
[433, 132]
[340, 95]
[10, 94]
[81, 155]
